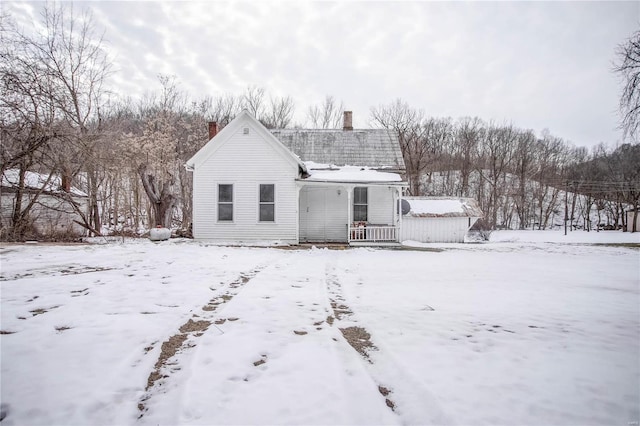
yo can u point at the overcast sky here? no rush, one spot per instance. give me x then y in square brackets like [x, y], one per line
[536, 64]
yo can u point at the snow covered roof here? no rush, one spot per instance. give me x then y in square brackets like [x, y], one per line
[350, 174]
[36, 181]
[443, 207]
[374, 148]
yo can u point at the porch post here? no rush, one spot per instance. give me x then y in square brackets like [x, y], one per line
[349, 189]
[394, 212]
[399, 213]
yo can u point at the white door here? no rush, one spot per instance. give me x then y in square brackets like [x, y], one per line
[323, 214]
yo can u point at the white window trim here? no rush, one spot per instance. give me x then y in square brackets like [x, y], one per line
[275, 203]
[353, 206]
[233, 202]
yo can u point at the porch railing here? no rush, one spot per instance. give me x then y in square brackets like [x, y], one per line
[373, 233]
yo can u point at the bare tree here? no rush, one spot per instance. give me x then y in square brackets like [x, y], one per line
[627, 177]
[52, 92]
[221, 110]
[253, 101]
[406, 122]
[468, 136]
[151, 149]
[628, 67]
[524, 168]
[279, 114]
[327, 115]
[496, 152]
[429, 149]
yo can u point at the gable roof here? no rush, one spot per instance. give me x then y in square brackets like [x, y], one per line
[241, 120]
[376, 148]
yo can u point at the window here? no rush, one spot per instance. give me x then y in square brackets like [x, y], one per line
[267, 202]
[360, 204]
[225, 203]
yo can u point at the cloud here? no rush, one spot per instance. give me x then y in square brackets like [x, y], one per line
[537, 64]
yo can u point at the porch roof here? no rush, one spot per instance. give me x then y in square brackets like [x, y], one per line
[329, 173]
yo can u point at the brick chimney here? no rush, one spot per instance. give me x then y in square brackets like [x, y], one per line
[348, 121]
[66, 182]
[213, 129]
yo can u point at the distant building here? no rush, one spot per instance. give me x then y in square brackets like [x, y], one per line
[630, 216]
[53, 212]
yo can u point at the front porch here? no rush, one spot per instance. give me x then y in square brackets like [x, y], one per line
[356, 213]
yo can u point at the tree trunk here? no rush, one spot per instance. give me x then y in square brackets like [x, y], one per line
[160, 196]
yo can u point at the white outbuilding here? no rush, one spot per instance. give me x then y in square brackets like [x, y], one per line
[438, 219]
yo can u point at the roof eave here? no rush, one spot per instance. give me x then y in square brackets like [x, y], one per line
[350, 182]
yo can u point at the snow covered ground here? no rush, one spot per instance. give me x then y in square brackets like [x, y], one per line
[531, 328]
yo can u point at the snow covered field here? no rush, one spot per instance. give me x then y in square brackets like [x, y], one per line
[531, 328]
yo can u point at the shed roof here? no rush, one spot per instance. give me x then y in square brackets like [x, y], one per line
[375, 148]
[36, 181]
[443, 207]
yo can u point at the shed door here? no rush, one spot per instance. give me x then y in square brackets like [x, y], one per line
[323, 214]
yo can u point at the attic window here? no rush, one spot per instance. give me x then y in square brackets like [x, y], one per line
[245, 131]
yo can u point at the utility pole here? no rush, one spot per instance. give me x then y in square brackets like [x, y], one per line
[566, 206]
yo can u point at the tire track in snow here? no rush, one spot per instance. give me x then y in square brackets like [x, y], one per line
[195, 327]
[430, 410]
[356, 336]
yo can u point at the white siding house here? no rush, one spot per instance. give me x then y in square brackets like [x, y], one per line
[439, 219]
[339, 185]
[241, 169]
[252, 184]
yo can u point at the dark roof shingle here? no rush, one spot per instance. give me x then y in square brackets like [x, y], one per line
[375, 148]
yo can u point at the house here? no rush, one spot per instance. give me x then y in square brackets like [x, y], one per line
[438, 219]
[54, 211]
[251, 184]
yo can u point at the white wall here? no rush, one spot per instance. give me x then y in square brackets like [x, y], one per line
[381, 205]
[435, 229]
[246, 161]
[51, 215]
[630, 215]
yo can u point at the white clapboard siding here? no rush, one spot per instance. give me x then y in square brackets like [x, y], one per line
[50, 215]
[380, 208]
[435, 229]
[246, 159]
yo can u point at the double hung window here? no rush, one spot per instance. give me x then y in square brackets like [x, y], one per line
[360, 204]
[225, 203]
[267, 203]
